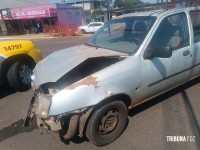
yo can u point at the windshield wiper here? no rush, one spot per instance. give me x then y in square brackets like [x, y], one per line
[92, 45]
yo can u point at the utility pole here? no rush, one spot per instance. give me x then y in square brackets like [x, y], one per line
[197, 2]
[84, 16]
[167, 4]
[107, 7]
[1, 15]
[93, 11]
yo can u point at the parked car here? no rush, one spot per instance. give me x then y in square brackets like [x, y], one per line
[17, 59]
[92, 27]
[89, 89]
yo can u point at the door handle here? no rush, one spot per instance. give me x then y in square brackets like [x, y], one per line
[185, 53]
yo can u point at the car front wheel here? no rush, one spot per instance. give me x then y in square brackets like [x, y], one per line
[83, 31]
[19, 75]
[107, 123]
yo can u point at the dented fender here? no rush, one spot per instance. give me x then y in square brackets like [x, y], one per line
[82, 94]
[97, 87]
[69, 100]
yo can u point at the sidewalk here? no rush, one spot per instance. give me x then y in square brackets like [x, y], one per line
[35, 36]
[29, 36]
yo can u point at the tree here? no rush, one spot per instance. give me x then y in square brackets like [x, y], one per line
[97, 12]
[126, 3]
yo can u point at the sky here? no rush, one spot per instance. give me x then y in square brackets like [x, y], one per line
[55, 1]
[20, 3]
[151, 1]
[25, 3]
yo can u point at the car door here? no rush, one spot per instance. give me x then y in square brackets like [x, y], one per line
[97, 26]
[161, 74]
[195, 25]
[91, 27]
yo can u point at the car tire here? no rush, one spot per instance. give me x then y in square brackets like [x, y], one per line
[107, 123]
[19, 76]
[83, 31]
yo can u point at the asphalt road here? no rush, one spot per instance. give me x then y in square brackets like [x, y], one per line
[175, 113]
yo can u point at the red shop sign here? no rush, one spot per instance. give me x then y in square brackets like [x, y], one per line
[33, 12]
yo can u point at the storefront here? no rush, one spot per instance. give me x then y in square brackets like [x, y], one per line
[33, 19]
[39, 19]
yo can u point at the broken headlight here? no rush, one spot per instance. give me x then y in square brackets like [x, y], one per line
[44, 102]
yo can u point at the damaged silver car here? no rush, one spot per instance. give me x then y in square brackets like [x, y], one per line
[87, 90]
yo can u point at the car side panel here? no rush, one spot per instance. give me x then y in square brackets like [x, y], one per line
[121, 78]
[2, 58]
[11, 48]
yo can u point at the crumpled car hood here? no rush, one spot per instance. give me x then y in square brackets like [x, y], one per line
[59, 63]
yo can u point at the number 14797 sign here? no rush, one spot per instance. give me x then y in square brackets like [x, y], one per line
[13, 47]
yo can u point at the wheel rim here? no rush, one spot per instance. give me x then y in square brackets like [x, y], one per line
[83, 31]
[25, 74]
[108, 121]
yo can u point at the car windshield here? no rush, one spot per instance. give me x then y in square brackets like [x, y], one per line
[122, 34]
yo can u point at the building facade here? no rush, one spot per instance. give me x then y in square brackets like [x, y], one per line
[37, 19]
[21, 3]
[94, 10]
[186, 3]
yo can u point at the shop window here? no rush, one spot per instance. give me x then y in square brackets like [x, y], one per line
[77, 13]
[68, 13]
[177, 35]
[195, 18]
[1, 32]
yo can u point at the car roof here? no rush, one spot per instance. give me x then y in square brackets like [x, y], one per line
[158, 13]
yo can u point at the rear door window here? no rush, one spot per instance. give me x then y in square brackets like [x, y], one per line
[173, 32]
[195, 18]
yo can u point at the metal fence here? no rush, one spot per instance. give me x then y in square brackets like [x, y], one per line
[169, 4]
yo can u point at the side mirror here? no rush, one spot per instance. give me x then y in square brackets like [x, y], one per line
[162, 52]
